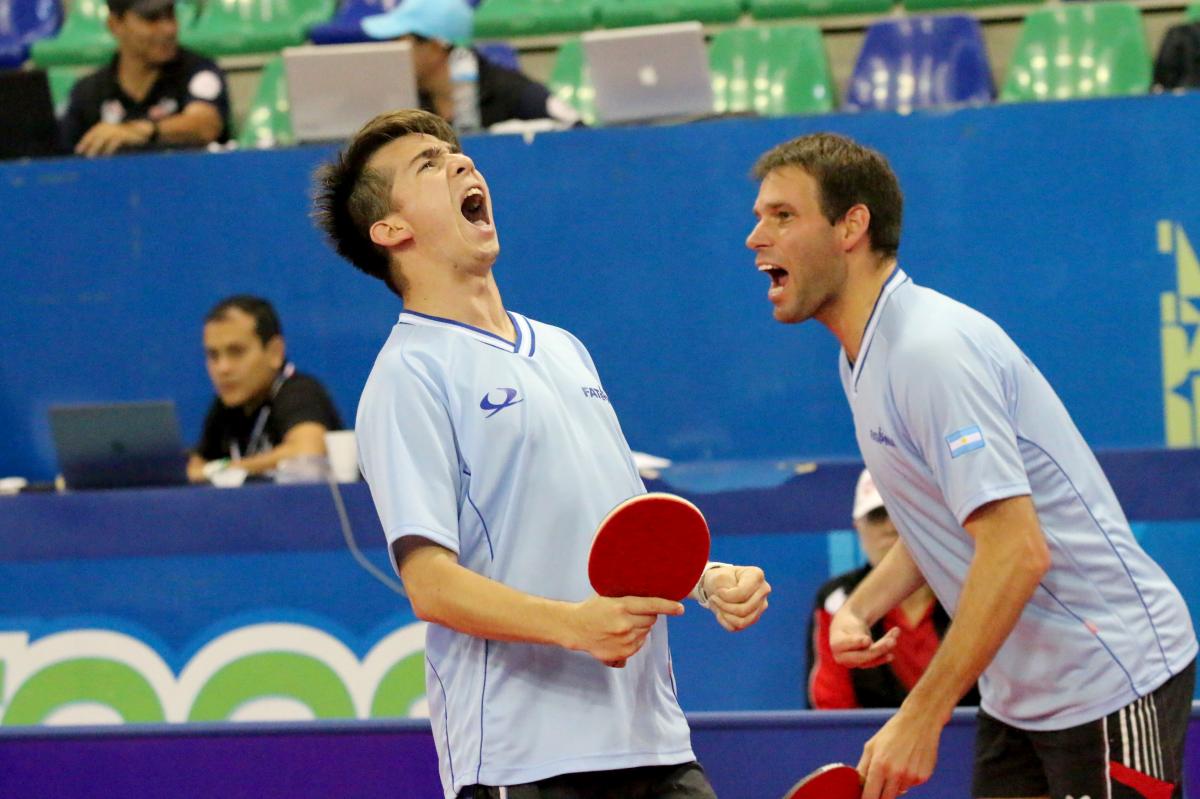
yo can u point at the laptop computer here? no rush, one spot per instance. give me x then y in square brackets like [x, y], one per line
[29, 129]
[655, 73]
[333, 89]
[117, 445]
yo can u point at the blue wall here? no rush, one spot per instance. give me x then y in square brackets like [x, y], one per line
[1043, 216]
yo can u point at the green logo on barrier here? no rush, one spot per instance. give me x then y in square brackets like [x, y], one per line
[262, 672]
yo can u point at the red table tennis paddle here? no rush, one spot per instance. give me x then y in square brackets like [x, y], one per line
[652, 545]
[835, 781]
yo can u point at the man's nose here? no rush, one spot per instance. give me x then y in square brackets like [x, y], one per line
[461, 162]
[756, 239]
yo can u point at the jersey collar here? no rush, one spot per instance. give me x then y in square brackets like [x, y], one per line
[526, 343]
[894, 281]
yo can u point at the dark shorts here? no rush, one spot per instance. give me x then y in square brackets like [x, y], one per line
[1134, 753]
[685, 781]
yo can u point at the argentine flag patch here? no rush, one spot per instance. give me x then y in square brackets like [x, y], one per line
[966, 440]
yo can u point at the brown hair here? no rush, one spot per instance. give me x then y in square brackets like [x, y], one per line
[350, 197]
[847, 174]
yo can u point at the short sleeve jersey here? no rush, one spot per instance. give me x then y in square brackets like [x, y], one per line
[950, 415]
[301, 398]
[509, 454]
[187, 78]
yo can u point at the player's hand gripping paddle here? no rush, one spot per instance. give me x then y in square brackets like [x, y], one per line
[835, 781]
[653, 545]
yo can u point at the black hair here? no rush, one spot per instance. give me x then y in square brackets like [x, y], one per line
[266, 321]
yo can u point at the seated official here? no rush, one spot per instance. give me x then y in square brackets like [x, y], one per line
[153, 94]
[920, 618]
[265, 411]
[440, 32]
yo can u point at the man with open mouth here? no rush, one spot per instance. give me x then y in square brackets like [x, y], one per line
[492, 453]
[1083, 647]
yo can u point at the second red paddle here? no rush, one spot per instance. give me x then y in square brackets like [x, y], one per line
[835, 781]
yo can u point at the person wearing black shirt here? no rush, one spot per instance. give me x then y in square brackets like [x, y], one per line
[265, 411]
[439, 31]
[152, 94]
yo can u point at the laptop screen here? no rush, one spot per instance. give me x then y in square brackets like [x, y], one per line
[334, 89]
[29, 129]
[118, 445]
[655, 72]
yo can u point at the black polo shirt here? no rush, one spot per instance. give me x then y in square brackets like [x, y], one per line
[505, 94]
[185, 79]
[301, 398]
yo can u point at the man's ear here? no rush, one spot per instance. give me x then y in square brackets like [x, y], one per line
[390, 232]
[277, 351]
[856, 225]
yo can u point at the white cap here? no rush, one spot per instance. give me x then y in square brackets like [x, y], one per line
[866, 496]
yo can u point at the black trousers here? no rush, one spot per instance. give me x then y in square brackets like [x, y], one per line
[1134, 753]
[685, 781]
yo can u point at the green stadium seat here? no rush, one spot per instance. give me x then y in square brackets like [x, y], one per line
[268, 123]
[1193, 13]
[783, 9]
[84, 39]
[1079, 50]
[569, 80]
[630, 13]
[937, 5]
[500, 19]
[62, 80]
[774, 71]
[232, 27]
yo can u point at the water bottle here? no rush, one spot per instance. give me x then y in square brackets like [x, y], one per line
[464, 74]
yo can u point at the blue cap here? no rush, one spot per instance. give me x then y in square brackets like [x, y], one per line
[448, 20]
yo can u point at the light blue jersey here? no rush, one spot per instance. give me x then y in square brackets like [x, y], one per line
[510, 455]
[950, 415]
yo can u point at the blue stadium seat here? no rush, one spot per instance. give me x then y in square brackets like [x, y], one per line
[23, 22]
[921, 62]
[345, 27]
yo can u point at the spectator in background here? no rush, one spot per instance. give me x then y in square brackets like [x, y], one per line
[1178, 63]
[265, 411]
[153, 94]
[440, 32]
[919, 621]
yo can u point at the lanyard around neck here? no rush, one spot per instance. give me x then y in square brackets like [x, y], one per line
[258, 441]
